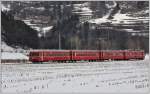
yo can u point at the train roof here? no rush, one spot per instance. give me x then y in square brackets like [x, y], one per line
[41, 50]
[60, 50]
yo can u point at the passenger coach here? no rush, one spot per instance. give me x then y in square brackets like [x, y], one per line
[84, 55]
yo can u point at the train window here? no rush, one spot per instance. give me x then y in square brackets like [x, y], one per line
[80, 54]
[114, 54]
[35, 54]
[118, 54]
[86, 54]
[49, 54]
[58, 54]
[92, 54]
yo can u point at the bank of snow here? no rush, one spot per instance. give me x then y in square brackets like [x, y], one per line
[13, 56]
[10, 53]
[5, 47]
[147, 56]
[89, 77]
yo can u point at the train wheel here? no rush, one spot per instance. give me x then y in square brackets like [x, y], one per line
[70, 61]
[37, 62]
[74, 61]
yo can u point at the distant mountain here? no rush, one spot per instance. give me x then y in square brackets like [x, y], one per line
[76, 24]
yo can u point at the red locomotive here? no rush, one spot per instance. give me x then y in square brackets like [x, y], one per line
[86, 55]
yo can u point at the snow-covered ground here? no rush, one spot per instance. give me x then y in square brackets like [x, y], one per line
[5, 47]
[88, 77]
[8, 52]
[13, 56]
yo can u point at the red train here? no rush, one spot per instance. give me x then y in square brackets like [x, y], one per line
[86, 55]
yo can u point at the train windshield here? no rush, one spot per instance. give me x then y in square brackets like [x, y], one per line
[34, 54]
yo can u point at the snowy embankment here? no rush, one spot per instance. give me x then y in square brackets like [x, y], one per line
[13, 56]
[10, 53]
[89, 77]
[6, 48]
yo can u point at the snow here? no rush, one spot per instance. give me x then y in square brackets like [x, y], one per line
[5, 47]
[88, 77]
[33, 26]
[28, 22]
[111, 6]
[82, 9]
[147, 57]
[5, 8]
[100, 20]
[131, 30]
[46, 29]
[83, 13]
[13, 56]
[36, 9]
[40, 8]
[36, 28]
[9, 49]
[77, 5]
[86, 9]
[120, 18]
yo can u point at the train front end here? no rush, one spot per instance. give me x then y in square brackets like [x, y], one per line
[36, 56]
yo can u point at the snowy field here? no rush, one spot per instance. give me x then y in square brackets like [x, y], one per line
[90, 77]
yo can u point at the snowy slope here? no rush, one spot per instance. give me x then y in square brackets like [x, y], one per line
[8, 52]
[13, 56]
[129, 22]
[47, 29]
[120, 19]
[5, 47]
[41, 30]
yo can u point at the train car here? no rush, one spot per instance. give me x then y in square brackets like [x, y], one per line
[86, 55]
[49, 55]
[142, 55]
[134, 54]
[128, 54]
[36, 56]
[111, 55]
[57, 55]
[105, 55]
[117, 55]
[139, 54]
[89, 55]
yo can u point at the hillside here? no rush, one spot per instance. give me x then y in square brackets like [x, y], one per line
[17, 34]
[77, 25]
